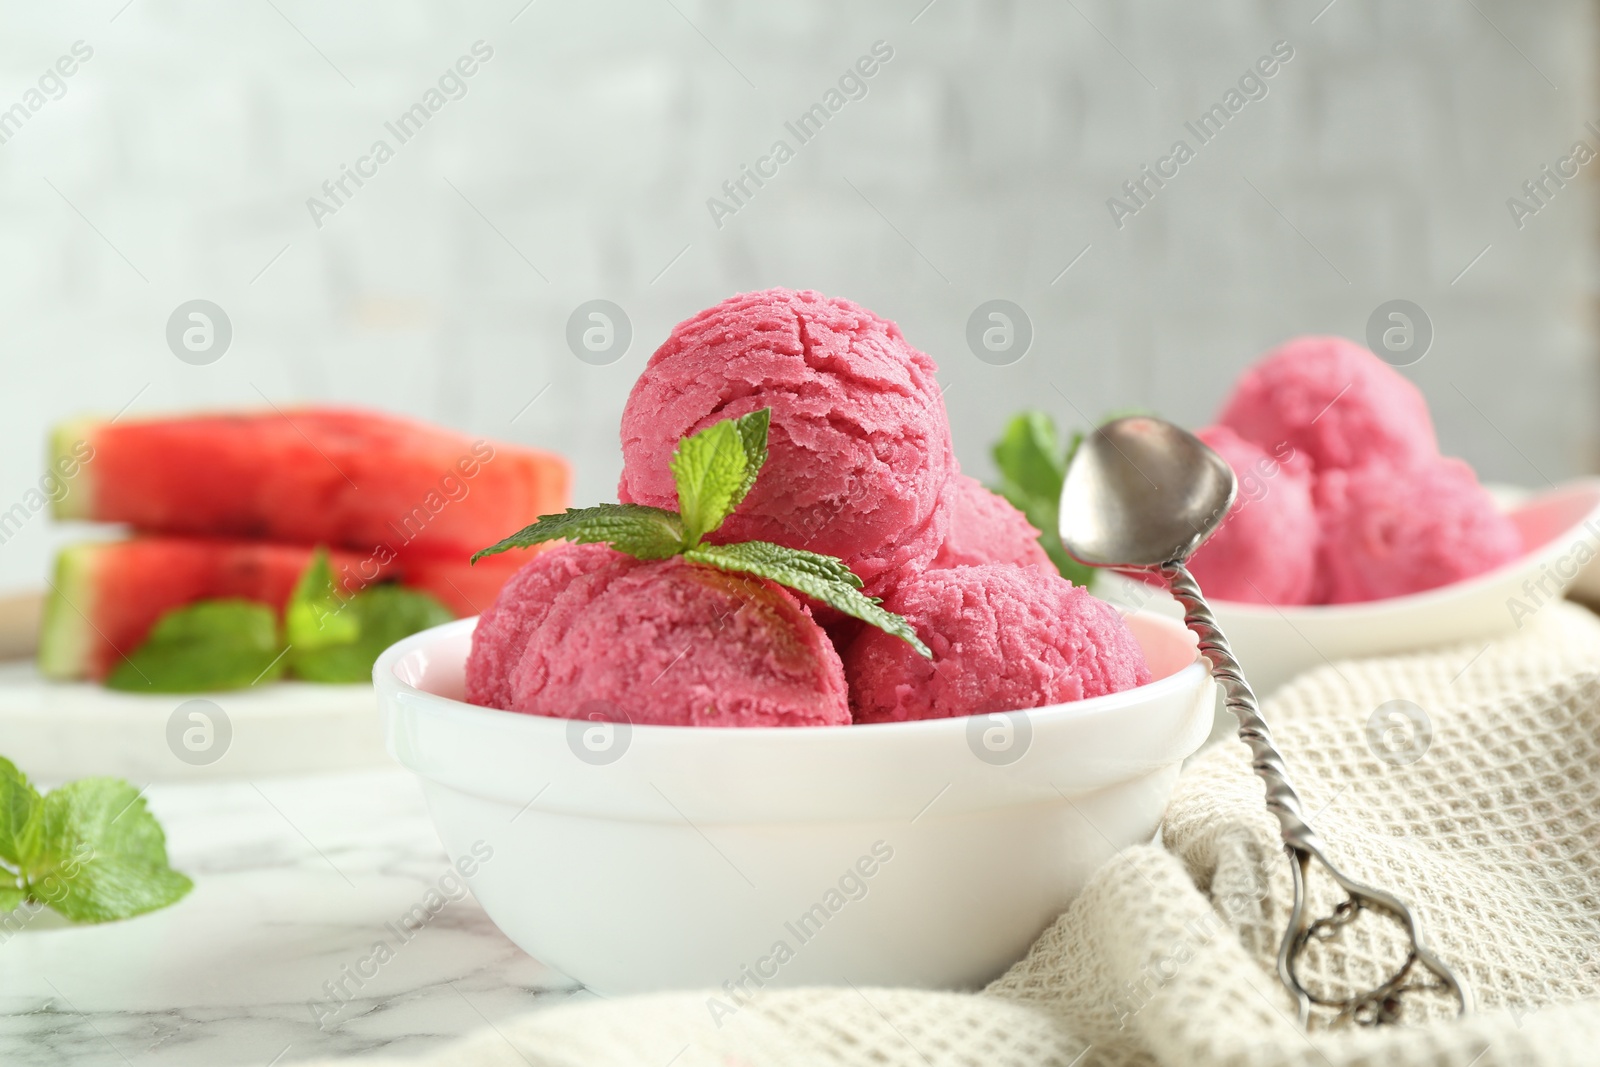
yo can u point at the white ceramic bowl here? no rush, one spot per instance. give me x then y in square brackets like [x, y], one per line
[1560, 531]
[898, 854]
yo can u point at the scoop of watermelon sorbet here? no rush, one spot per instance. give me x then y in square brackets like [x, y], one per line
[859, 446]
[663, 642]
[1266, 549]
[1004, 638]
[1389, 531]
[985, 528]
[1333, 402]
[518, 610]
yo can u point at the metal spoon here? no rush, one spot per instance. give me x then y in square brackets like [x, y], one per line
[1142, 494]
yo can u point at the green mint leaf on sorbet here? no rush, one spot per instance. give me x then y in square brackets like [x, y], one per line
[206, 645]
[312, 618]
[753, 435]
[645, 533]
[100, 854]
[823, 578]
[1032, 467]
[373, 619]
[19, 816]
[715, 468]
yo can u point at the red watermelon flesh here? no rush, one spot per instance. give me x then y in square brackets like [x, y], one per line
[107, 595]
[466, 589]
[343, 477]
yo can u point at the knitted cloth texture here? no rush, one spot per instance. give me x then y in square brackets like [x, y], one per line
[1490, 828]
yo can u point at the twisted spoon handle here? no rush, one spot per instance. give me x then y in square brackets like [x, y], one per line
[1282, 798]
[1370, 1007]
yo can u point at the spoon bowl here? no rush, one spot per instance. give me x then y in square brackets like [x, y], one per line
[1142, 492]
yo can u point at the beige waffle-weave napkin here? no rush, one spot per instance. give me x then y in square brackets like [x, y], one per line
[1168, 956]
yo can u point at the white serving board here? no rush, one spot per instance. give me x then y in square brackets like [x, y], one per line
[55, 731]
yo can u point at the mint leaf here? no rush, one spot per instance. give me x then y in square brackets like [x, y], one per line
[715, 468]
[1032, 467]
[646, 533]
[389, 612]
[753, 435]
[374, 619]
[1029, 456]
[101, 854]
[206, 645]
[11, 896]
[314, 616]
[823, 578]
[19, 817]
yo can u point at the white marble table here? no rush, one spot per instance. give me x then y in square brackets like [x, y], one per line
[295, 879]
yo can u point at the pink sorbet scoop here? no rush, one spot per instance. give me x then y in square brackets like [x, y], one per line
[985, 528]
[1004, 638]
[1388, 531]
[664, 642]
[1266, 549]
[1333, 402]
[859, 448]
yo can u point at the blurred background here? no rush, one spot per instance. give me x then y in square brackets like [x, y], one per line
[577, 162]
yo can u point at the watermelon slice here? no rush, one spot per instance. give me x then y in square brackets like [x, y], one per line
[106, 595]
[345, 478]
[465, 588]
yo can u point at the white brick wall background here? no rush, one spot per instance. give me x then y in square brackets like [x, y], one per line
[980, 160]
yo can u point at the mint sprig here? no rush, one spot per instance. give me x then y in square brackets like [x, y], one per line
[313, 619]
[646, 533]
[89, 849]
[204, 646]
[715, 468]
[714, 471]
[819, 577]
[337, 641]
[1033, 465]
[212, 645]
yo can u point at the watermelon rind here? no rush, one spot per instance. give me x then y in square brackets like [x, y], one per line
[66, 636]
[78, 501]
